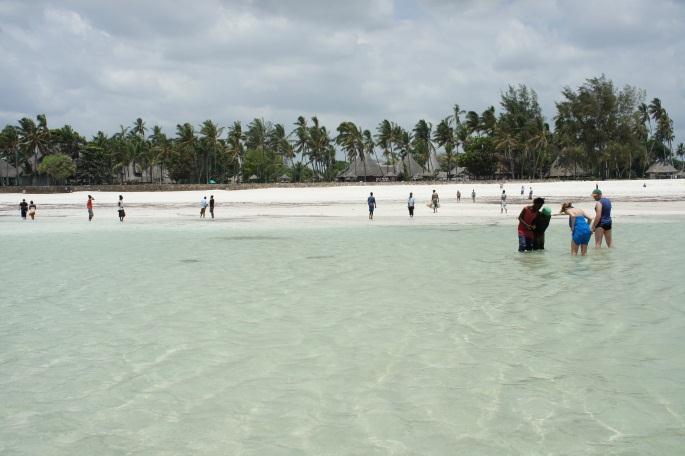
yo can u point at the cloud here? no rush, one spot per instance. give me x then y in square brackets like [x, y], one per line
[97, 65]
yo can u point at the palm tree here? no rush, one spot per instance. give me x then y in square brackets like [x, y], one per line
[280, 144]
[256, 138]
[507, 143]
[10, 143]
[350, 138]
[187, 143]
[540, 144]
[445, 138]
[302, 140]
[680, 152]
[211, 143]
[385, 139]
[236, 139]
[34, 138]
[161, 150]
[423, 144]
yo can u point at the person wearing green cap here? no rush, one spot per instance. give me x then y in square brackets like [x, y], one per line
[541, 223]
[601, 224]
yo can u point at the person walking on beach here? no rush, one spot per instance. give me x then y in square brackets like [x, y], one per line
[89, 206]
[530, 193]
[503, 203]
[23, 208]
[458, 196]
[120, 206]
[435, 201]
[410, 204]
[32, 211]
[473, 195]
[211, 205]
[601, 224]
[579, 222]
[527, 224]
[523, 189]
[203, 206]
[371, 201]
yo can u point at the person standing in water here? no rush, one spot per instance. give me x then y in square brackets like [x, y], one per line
[203, 206]
[410, 204]
[23, 208]
[458, 196]
[473, 195]
[120, 206]
[579, 222]
[601, 224]
[32, 211]
[530, 193]
[527, 224]
[523, 189]
[503, 203]
[435, 201]
[89, 206]
[211, 205]
[371, 201]
[541, 223]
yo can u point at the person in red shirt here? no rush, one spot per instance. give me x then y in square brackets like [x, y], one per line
[527, 224]
[89, 205]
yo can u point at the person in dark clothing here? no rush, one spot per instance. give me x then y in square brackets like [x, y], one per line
[527, 224]
[211, 205]
[23, 208]
[541, 223]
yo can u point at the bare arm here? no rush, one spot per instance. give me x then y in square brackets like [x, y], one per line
[598, 215]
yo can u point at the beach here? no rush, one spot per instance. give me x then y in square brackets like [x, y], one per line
[346, 204]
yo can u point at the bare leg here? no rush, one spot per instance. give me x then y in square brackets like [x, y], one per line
[583, 249]
[599, 234]
[574, 248]
[607, 238]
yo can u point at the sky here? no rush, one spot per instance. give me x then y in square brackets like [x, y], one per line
[97, 64]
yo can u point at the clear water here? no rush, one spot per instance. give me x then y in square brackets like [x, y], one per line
[201, 338]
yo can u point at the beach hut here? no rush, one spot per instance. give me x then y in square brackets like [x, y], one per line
[8, 173]
[565, 169]
[366, 169]
[660, 170]
[411, 167]
[253, 178]
[284, 178]
[459, 173]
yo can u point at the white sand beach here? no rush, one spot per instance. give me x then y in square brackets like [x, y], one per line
[346, 204]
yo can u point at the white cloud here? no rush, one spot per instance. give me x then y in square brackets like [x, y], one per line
[100, 64]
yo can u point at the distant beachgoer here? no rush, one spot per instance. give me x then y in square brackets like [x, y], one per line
[503, 202]
[435, 201]
[32, 211]
[23, 208]
[530, 193]
[527, 224]
[596, 186]
[203, 206]
[579, 222]
[120, 206]
[523, 190]
[211, 205]
[371, 201]
[601, 224]
[458, 196]
[644, 185]
[411, 202]
[89, 206]
[541, 223]
[473, 195]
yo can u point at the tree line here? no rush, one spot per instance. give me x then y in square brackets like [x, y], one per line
[606, 131]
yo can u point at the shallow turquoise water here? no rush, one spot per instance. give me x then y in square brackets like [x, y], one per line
[210, 339]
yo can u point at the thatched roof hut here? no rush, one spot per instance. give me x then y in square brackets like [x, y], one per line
[8, 173]
[660, 170]
[253, 178]
[284, 178]
[367, 169]
[565, 169]
[412, 168]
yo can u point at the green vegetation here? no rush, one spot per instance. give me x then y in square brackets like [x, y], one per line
[605, 131]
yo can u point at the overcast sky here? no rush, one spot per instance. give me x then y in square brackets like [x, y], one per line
[98, 64]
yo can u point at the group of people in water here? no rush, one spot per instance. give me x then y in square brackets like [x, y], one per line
[534, 220]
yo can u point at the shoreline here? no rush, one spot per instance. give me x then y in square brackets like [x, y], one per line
[346, 205]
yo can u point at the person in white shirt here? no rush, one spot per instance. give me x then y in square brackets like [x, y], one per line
[203, 206]
[410, 204]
